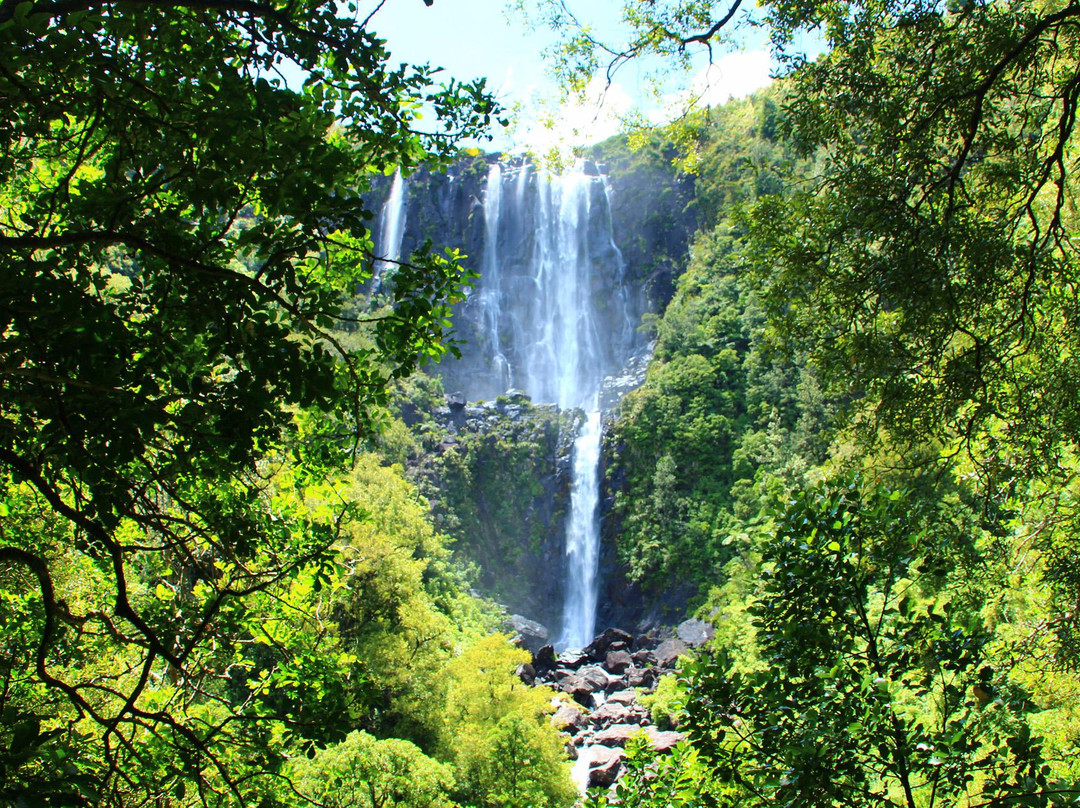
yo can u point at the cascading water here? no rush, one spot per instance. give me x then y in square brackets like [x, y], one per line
[583, 537]
[391, 230]
[555, 321]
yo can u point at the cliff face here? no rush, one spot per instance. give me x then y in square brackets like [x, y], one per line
[638, 207]
[598, 248]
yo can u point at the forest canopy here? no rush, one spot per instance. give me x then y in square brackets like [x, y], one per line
[857, 439]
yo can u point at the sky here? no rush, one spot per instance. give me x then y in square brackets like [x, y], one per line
[474, 38]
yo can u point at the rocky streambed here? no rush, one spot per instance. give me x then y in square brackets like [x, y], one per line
[604, 681]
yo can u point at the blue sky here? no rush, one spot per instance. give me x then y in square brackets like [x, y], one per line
[473, 38]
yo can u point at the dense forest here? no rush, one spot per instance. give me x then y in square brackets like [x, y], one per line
[240, 553]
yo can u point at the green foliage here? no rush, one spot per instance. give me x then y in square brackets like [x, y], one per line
[928, 269]
[667, 703]
[719, 423]
[364, 772]
[496, 731]
[880, 688]
[679, 779]
[494, 494]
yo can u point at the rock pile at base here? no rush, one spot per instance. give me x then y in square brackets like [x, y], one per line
[603, 681]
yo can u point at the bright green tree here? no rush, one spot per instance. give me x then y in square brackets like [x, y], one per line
[364, 772]
[496, 730]
[180, 234]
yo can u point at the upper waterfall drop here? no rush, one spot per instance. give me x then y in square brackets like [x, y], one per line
[549, 308]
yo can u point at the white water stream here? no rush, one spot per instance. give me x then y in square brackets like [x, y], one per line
[391, 230]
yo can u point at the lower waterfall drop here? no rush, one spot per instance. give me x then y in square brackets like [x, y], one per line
[583, 536]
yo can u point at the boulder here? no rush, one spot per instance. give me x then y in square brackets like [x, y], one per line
[668, 653]
[648, 641]
[569, 718]
[604, 766]
[581, 685]
[616, 734]
[644, 658]
[694, 632]
[613, 639]
[663, 741]
[628, 696]
[641, 677]
[527, 633]
[618, 662]
[572, 659]
[614, 713]
[544, 658]
[456, 401]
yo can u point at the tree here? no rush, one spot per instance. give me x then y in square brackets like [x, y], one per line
[496, 731]
[364, 772]
[929, 267]
[180, 235]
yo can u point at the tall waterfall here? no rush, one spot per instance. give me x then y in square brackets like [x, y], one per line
[554, 320]
[391, 230]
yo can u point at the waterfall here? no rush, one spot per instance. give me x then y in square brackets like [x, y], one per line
[583, 537]
[391, 230]
[489, 292]
[554, 320]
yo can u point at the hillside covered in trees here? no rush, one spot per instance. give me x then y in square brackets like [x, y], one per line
[240, 545]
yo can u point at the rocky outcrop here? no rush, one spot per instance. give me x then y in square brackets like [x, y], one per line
[497, 477]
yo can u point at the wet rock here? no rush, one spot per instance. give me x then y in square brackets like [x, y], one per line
[605, 766]
[618, 662]
[580, 686]
[694, 632]
[643, 659]
[572, 659]
[455, 401]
